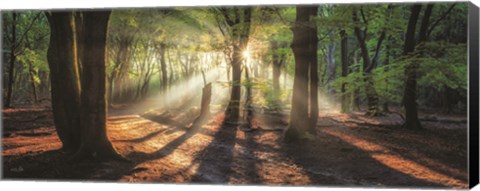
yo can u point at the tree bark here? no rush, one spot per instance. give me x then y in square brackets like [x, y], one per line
[240, 27]
[64, 78]
[32, 82]
[387, 62]
[345, 65]
[233, 109]
[410, 93]
[94, 139]
[204, 105]
[304, 49]
[11, 69]
[331, 66]
[312, 59]
[369, 65]
[276, 64]
[163, 65]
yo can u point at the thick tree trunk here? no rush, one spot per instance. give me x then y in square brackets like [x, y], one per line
[233, 109]
[64, 77]
[344, 56]
[94, 139]
[11, 69]
[79, 38]
[303, 49]
[241, 30]
[410, 93]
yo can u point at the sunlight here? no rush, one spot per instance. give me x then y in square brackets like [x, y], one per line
[246, 54]
[186, 90]
[389, 159]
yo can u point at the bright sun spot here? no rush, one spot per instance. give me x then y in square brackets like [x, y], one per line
[245, 54]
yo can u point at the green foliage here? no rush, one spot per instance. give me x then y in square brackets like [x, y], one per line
[267, 97]
[444, 65]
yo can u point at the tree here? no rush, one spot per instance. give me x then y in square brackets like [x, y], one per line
[369, 63]
[12, 60]
[345, 65]
[410, 93]
[304, 46]
[18, 35]
[94, 140]
[65, 79]
[235, 26]
[78, 101]
[163, 66]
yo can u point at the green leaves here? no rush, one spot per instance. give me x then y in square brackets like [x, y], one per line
[444, 65]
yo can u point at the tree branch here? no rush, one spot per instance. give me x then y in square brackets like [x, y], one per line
[441, 18]
[27, 30]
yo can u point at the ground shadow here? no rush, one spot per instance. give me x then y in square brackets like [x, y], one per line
[428, 148]
[167, 149]
[210, 170]
[25, 119]
[51, 165]
[343, 164]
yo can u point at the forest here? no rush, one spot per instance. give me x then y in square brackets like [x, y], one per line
[328, 94]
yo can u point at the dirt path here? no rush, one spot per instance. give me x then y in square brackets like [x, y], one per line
[345, 151]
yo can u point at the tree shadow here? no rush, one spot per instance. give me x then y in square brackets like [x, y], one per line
[430, 148]
[444, 150]
[166, 118]
[214, 168]
[146, 137]
[169, 148]
[330, 160]
[51, 165]
[25, 119]
[249, 160]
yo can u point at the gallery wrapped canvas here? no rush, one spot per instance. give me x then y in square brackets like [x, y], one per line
[374, 95]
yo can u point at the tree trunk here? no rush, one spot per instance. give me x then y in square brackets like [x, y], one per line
[170, 67]
[32, 82]
[331, 66]
[410, 93]
[312, 56]
[276, 64]
[11, 69]
[79, 39]
[204, 105]
[303, 49]
[368, 66]
[64, 78]
[344, 56]
[111, 86]
[233, 109]
[387, 62]
[94, 139]
[163, 65]
[248, 109]
[241, 29]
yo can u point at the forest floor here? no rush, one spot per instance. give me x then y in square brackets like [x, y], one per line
[348, 150]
